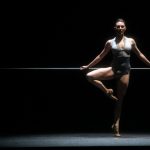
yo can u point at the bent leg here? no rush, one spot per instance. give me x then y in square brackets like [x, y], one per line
[122, 86]
[96, 76]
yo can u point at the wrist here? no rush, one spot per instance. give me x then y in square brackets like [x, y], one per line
[88, 66]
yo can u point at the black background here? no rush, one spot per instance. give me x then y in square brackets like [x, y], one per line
[68, 34]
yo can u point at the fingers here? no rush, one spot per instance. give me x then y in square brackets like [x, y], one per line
[83, 67]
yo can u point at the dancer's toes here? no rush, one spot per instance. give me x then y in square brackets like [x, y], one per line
[113, 97]
[117, 135]
[115, 129]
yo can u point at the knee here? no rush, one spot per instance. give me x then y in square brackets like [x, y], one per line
[89, 77]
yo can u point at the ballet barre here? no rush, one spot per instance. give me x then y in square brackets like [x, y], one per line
[59, 68]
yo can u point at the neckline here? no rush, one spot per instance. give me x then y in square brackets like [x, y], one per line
[124, 43]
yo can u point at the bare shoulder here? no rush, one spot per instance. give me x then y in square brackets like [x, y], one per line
[109, 42]
[131, 40]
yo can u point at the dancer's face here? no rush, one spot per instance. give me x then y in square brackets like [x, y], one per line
[120, 27]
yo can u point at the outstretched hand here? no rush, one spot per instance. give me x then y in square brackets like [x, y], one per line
[84, 68]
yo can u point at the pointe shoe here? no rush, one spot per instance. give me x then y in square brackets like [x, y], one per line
[110, 95]
[115, 129]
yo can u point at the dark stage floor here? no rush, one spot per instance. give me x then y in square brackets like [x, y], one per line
[75, 140]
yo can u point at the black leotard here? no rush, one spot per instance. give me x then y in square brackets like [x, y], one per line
[121, 57]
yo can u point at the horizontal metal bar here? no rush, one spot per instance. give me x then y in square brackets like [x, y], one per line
[60, 68]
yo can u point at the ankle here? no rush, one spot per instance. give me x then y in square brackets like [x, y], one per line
[115, 128]
[109, 91]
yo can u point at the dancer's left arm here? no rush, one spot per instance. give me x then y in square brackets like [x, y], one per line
[140, 55]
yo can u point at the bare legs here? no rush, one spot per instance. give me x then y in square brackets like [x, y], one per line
[96, 76]
[122, 85]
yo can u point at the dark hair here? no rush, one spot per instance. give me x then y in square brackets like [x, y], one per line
[120, 20]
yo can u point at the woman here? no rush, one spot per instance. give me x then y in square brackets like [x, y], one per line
[120, 46]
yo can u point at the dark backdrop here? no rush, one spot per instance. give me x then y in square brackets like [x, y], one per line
[68, 34]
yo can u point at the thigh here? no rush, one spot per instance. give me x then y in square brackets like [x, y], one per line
[123, 82]
[122, 86]
[102, 74]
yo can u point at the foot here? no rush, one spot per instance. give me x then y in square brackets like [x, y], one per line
[110, 94]
[115, 129]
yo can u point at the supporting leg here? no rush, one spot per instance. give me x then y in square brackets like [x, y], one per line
[121, 91]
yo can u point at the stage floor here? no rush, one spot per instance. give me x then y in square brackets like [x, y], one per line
[75, 140]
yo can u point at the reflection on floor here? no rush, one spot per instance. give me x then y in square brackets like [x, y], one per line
[75, 140]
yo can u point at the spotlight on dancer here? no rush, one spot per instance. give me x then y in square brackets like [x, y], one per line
[121, 47]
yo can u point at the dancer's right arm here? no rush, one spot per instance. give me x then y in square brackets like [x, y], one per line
[99, 57]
